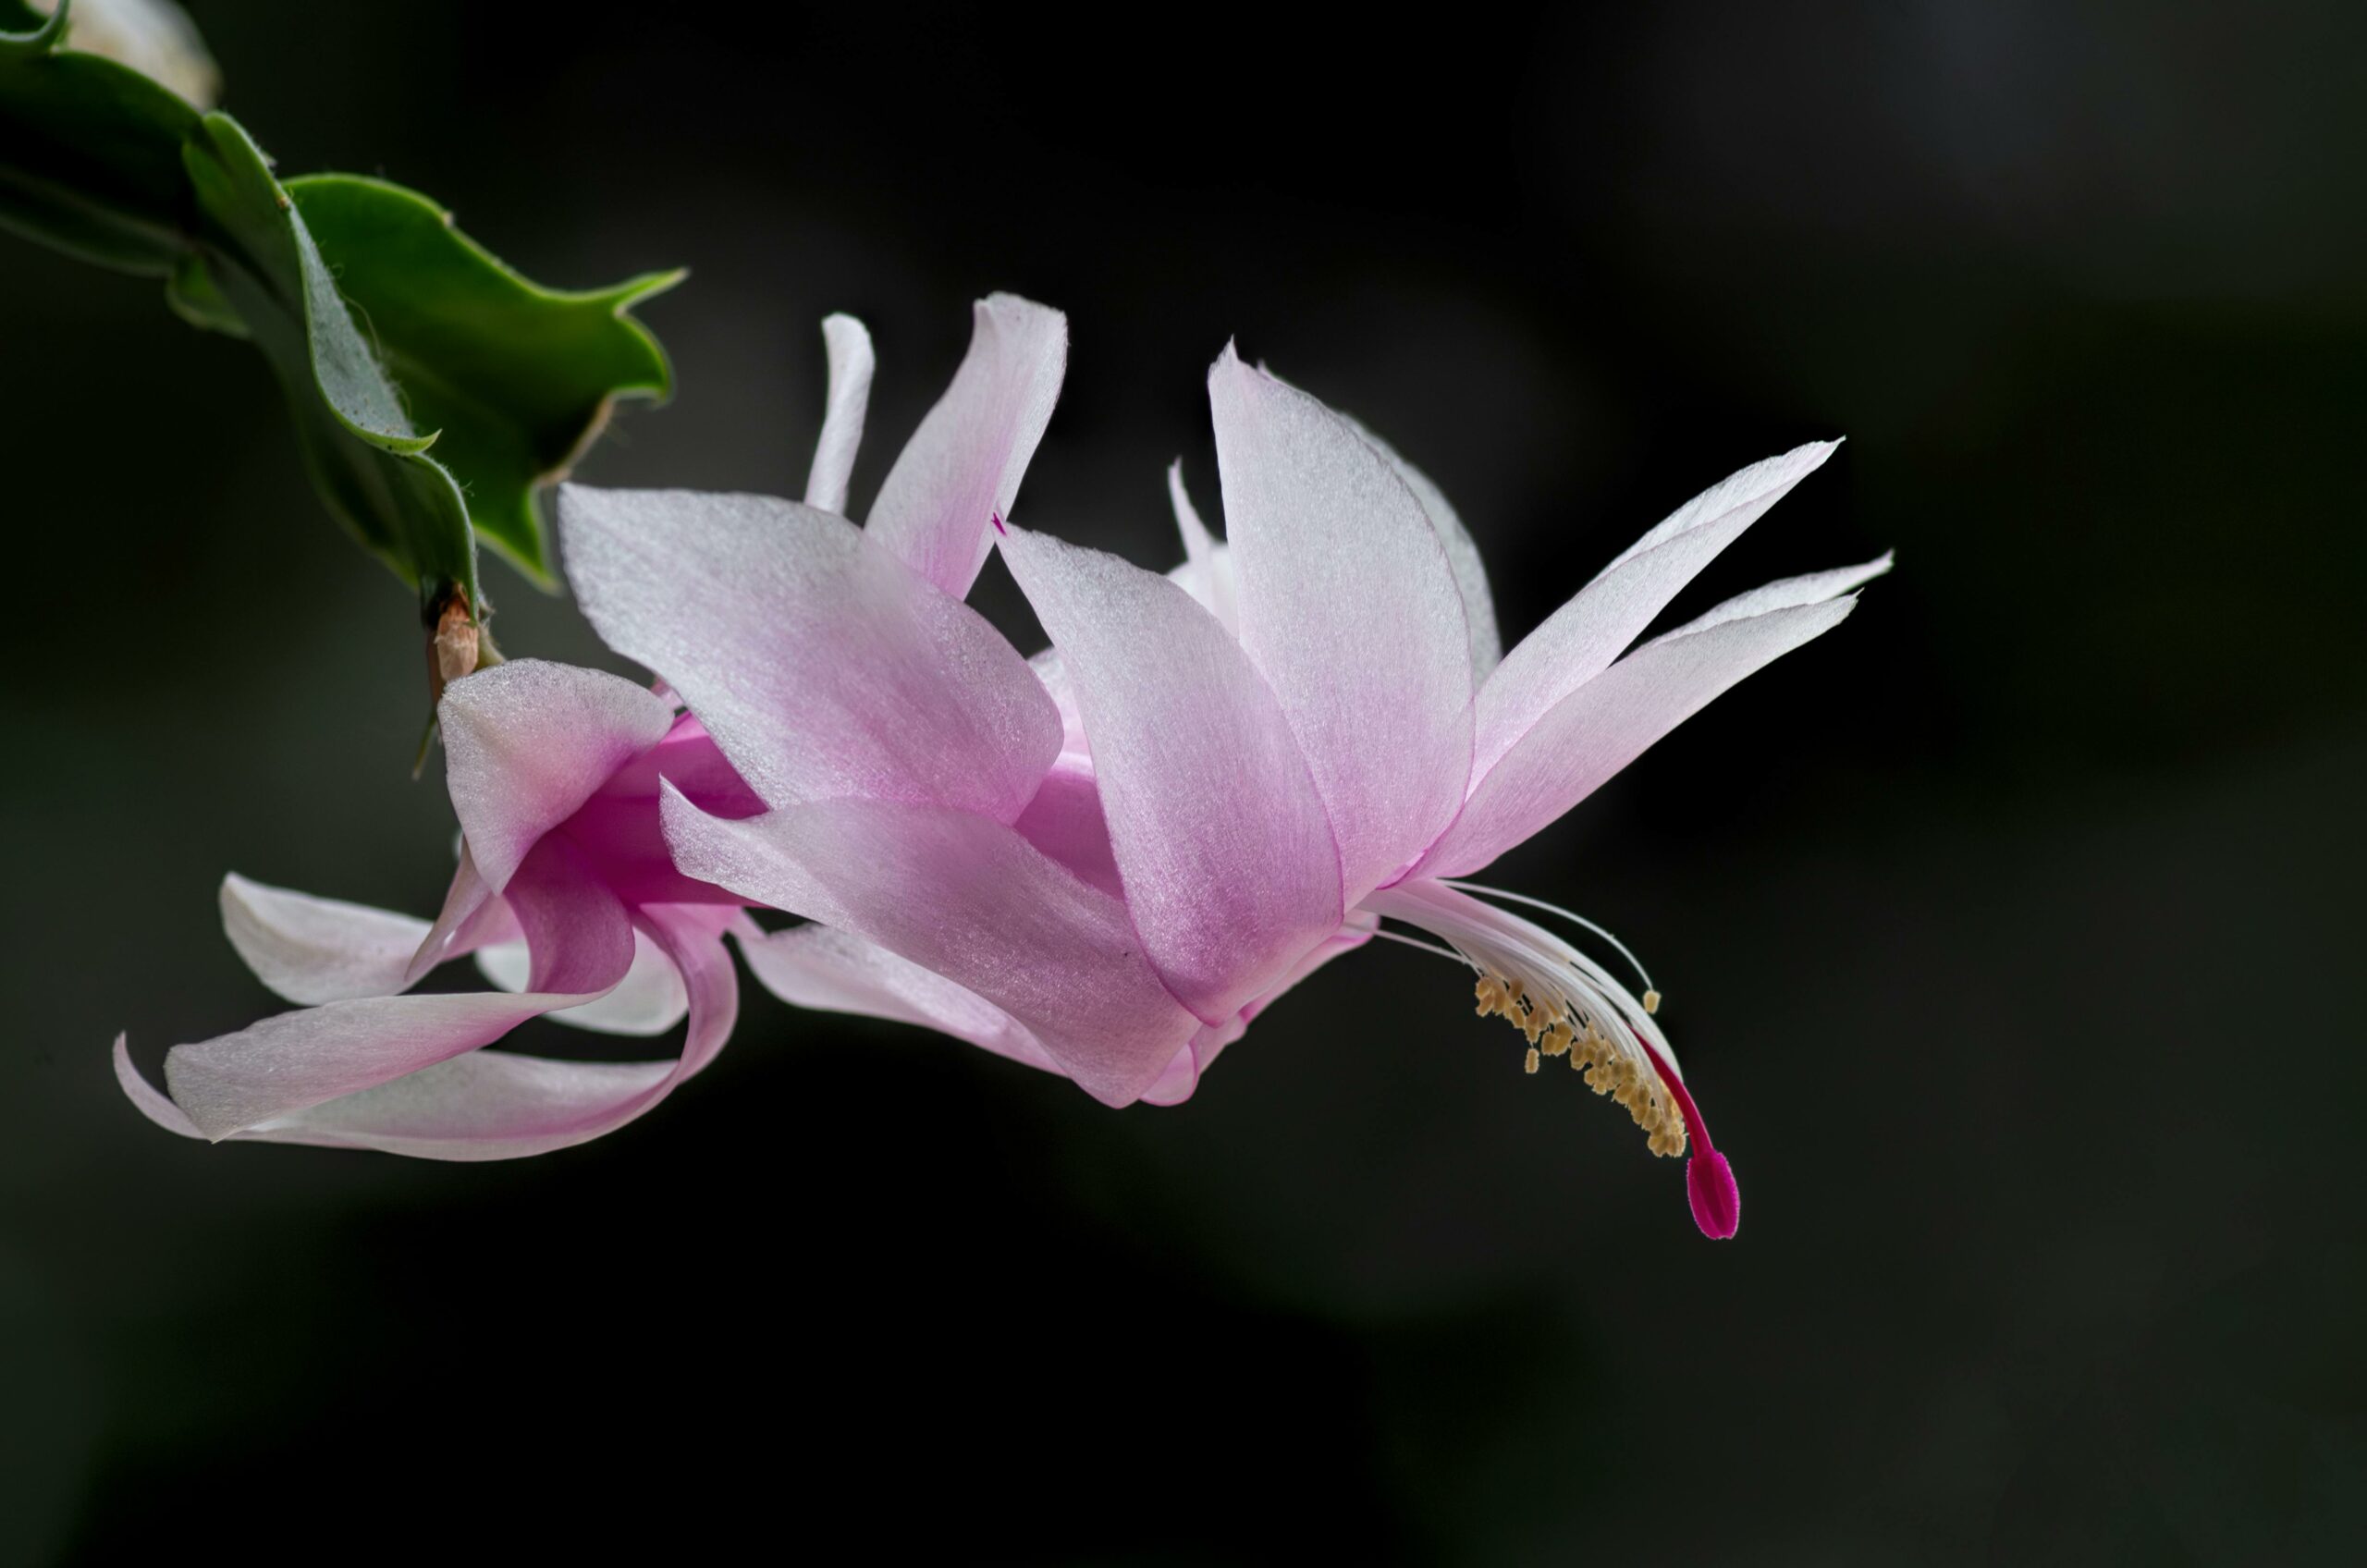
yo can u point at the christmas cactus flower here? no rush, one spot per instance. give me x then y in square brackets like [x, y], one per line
[566, 892]
[1107, 862]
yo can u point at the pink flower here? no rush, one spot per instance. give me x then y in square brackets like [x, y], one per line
[1108, 862]
[565, 895]
[566, 892]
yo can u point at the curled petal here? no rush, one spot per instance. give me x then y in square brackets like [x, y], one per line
[648, 1000]
[581, 945]
[153, 1102]
[297, 1061]
[473, 916]
[312, 950]
[578, 934]
[962, 467]
[492, 1104]
[851, 366]
[528, 742]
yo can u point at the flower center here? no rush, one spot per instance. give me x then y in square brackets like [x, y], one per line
[1566, 1005]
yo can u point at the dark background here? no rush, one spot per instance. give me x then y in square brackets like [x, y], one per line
[2010, 932]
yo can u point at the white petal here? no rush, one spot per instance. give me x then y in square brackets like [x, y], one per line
[1578, 640]
[1814, 588]
[1461, 555]
[1351, 612]
[1605, 724]
[1207, 573]
[312, 950]
[851, 367]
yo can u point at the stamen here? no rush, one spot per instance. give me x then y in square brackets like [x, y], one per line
[1652, 997]
[1565, 1005]
[1418, 942]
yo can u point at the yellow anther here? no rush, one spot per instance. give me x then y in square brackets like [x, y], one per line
[1556, 1024]
[1490, 992]
[1651, 1001]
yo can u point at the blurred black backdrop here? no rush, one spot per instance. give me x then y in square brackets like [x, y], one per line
[2008, 931]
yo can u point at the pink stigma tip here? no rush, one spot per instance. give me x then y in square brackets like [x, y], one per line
[1717, 1202]
[996, 518]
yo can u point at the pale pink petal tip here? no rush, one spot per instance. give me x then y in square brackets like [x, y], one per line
[1717, 1202]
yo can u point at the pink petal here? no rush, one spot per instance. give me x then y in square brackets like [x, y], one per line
[834, 971]
[962, 467]
[1605, 724]
[529, 742]
[312, 950]
[581, 946]
[971, 900]
[618, 829]
[851, 365]
[486, 1105]
[297, 1060]
[690, 760]
[1227, 859]
[579, 937]
[1350, 609]
[1578, 640]
[1065, 821]
[152, 1101]
[473, 916]
[820, 664]
[499, 1105]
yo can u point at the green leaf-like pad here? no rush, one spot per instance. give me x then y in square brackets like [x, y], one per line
[390, 331]
[368, 460]
[518, 378]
